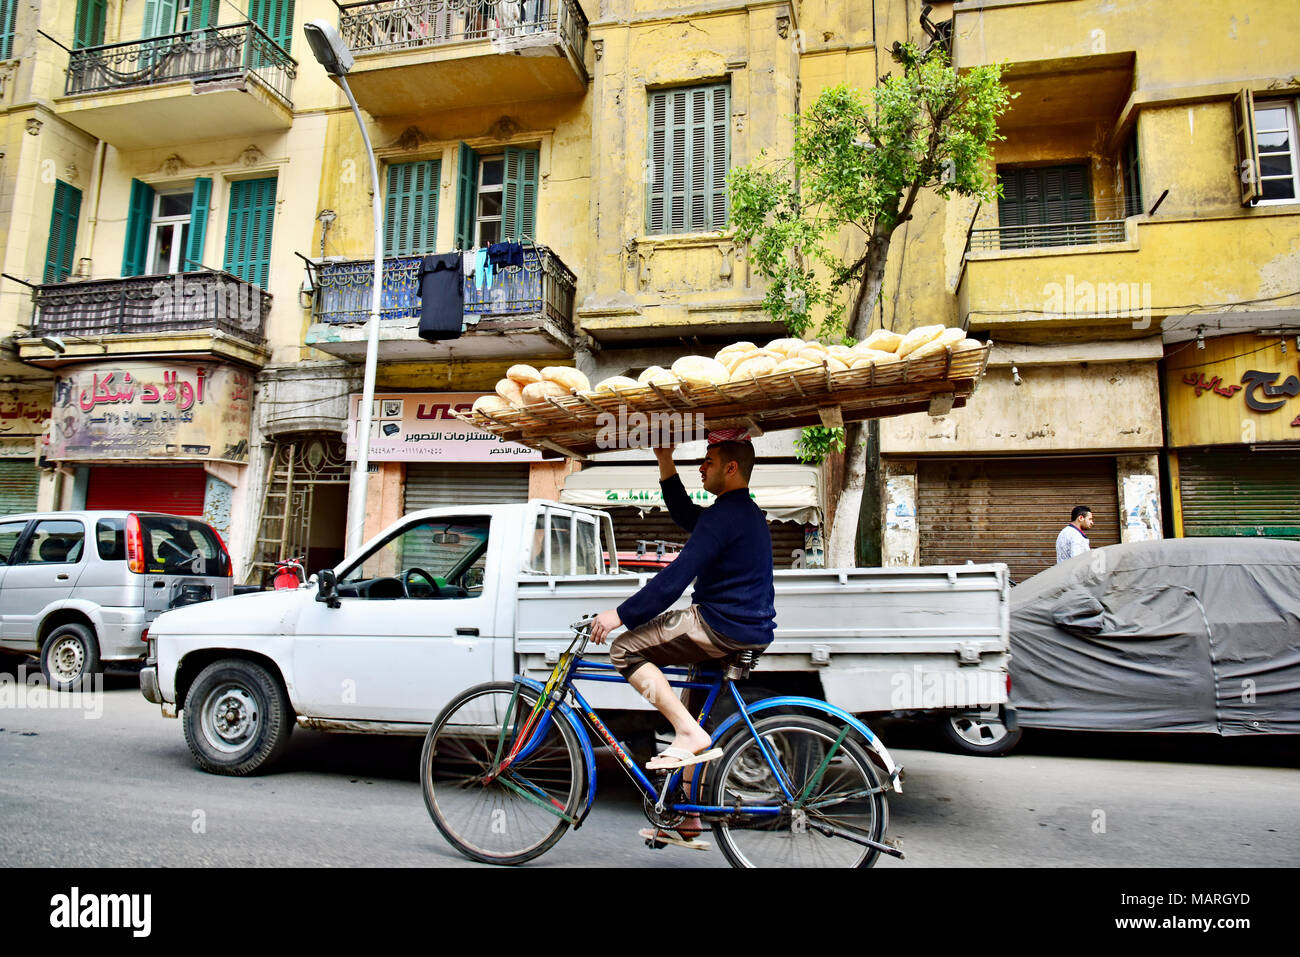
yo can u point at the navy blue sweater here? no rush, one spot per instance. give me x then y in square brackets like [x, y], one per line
[729, 554]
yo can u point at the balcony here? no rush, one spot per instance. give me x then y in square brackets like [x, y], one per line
[206, 314]
[1103, 221]
[526, 310]
[217, 82]
[419, 55]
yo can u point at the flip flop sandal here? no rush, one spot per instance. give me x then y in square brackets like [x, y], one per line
[670, 758]
[659, 838]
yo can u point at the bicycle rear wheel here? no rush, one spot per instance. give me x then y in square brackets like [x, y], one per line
[514, 816]
[841, 797]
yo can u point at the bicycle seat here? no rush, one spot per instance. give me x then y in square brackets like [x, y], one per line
[739, 665]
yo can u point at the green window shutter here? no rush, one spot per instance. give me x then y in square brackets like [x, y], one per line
[159, 18]
[138, 218]
[411, 209]
[275, 17]
[1045, 194]
[689, 155]
[89, 28]
[248, 230]
[1243, 121]
[198, 224]
[203, 14]
[8, 9]
[62, 244]
[466, 196]
[519, 203]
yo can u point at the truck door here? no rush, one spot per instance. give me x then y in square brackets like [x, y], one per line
[413, 627]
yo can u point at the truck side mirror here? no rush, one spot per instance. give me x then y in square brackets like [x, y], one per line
[327, 588]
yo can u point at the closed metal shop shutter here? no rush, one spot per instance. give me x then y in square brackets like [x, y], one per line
[1011, 510]
[464, 483]
[19, 480]
[1240, 493]
[142, 488]
[630, 526]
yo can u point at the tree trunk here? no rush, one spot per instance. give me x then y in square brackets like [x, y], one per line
[841, 550]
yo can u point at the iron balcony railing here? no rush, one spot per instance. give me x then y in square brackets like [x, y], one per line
[153, 304]
[382, 26]
[1087, 233]
[543, 286]
[208, 54]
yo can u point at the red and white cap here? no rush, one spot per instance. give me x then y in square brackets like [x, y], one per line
[729, 435]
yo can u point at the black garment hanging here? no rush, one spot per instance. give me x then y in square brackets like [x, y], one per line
[442, 297]
[506, 254]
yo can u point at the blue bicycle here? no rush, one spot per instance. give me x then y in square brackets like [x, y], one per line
[508, 767]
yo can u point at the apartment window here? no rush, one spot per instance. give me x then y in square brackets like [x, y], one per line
[689, 155]
[165, 228]
[275, 17]
[411, 209]
[88, 29]
[249, 228]
[62, 244]
[496, 196]
[168, 231]
[1275, 139]
[8, 8]
[1039, 202]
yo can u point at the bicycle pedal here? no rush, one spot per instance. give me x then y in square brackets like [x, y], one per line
[654, 845]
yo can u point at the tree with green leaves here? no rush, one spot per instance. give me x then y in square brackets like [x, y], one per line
[858, 166]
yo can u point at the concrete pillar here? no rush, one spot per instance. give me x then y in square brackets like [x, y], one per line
[1139, 497]
[901, 544]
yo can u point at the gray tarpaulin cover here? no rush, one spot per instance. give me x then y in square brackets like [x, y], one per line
[1189, 634]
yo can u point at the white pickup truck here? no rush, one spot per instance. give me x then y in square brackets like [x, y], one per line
[447, 598]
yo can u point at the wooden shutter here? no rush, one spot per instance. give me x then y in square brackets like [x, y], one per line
[62, 244]
[138, 217]
[89, 28]
[1243, 122]
[519, 203]
[1044, 194]
[8, 8]
[1236, 493]
[159, 18]
[411, 209]
[690, 146]
[249, 228]
[275, 17]
[466, 196]
[204, 13]
[198, 224]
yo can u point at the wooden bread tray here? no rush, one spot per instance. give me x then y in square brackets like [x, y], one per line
[569, 425]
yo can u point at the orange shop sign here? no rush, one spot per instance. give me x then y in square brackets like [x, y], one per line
[1237, 390]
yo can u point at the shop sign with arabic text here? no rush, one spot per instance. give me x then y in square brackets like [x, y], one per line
[1242, 389]
[23, 417]
[419, 427]
[152, 410]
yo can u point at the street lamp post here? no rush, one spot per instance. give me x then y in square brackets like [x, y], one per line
[333, 54]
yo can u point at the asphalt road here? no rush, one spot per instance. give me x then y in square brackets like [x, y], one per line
[121, 789]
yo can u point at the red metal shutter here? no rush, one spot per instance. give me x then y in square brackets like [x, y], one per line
[147, 488]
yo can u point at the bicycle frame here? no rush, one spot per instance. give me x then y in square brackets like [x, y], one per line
[573, 667]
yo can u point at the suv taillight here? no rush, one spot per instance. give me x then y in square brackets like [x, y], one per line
[134, 545]
[230, 569]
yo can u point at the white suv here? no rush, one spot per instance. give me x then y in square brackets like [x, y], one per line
[81, 588]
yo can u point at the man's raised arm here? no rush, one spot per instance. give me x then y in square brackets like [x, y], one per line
[680, 507]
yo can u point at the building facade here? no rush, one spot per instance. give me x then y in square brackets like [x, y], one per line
[186, 225]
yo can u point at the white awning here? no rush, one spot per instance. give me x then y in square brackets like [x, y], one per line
[786, 493]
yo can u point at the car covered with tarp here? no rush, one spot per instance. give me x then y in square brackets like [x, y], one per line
[1181, 635]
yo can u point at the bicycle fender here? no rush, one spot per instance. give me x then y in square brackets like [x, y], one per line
[812, 704]
[584, 740]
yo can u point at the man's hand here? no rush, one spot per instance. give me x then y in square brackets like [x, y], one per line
[605, 622]
[664, 455]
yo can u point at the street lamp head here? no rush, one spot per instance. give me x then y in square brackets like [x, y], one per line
[54, 344]
[328, 47]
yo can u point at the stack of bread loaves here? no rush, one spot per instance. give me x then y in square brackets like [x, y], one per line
[738, 362]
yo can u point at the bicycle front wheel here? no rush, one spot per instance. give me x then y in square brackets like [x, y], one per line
[495, 816]
[837, 790]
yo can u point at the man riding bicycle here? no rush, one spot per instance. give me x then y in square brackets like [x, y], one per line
[729, 555]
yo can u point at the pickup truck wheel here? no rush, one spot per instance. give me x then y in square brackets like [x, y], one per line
[979, 734]
[69, 654]
[237, 717]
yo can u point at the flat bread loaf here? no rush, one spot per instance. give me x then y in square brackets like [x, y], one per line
[796, 363]
[523, 374]
[616, 383]
[754, 366]
[949, 337]
[571, 379]
[881, 339]
[917, 338]
[700, 370]
[540, 391]
[657, 375]
[491, 404]
[509, 390]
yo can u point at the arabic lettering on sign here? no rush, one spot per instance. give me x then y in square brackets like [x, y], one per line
[1262, 382]
[19, 410]
[1201, 384]
[104, 390]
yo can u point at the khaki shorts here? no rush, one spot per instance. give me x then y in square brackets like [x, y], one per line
[677, 637]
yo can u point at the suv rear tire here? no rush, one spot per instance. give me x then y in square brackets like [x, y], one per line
[70, 654]
[237, 717]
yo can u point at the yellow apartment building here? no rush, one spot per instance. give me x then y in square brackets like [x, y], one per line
[185, 199]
